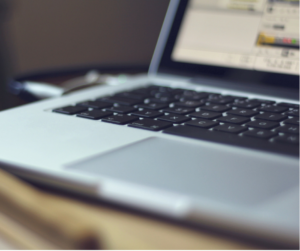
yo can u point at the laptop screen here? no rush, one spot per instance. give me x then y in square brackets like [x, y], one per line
[260, 35]
[251, 42]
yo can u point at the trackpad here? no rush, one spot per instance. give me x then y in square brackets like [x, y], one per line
[194, 170]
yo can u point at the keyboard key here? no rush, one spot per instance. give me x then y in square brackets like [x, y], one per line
[246, 104]
[264, 101]
[164, 89]
[132, 95]
[258, 133]
[153, 106]
[292, 121]
[262, 124]
[190, 93]
[243, 112]
[163, 95]
[214, 95]
[94, 104]
[288, 129]
[120, 100]
[203, 123]
[164, 100]
[147, 113]
[179, 110]
[70, 110]
[193, 96]
[215, 108]
[292, 112]
[233, 119]
[120, 119]
[288, 139]
[206, 115]
[190, 104]
[150, 124]
[237, 98]
[231, 128]
[174, 118]
[145, 91]
[289, 105]
[121, 109]
[273, 108]
[220, 100]
[95, 114]
[271, 116]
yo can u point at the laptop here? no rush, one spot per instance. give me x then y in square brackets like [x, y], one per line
[210, 136]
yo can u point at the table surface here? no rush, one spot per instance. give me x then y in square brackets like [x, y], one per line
[120, 228]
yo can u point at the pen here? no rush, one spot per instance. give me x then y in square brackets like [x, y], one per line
[31, 208]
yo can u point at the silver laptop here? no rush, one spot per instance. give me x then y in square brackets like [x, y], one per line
[210, 136]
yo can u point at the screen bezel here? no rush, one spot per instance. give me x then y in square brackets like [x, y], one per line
[242, 76]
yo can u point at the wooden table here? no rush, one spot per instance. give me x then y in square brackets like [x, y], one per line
[121, 228]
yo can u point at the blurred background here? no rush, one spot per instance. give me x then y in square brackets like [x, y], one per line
[44, 35]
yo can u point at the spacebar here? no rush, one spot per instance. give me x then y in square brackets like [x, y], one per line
[231, 139]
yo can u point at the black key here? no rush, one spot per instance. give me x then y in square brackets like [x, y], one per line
[292, 121]
[164, 100]
[70, 110]
[231, 128]
[194, 96]
[120, 100]
[120, 119]
[246, 104]
[292, 112]
[148, 113]
[263, 124]
[288, 139]
[264, 101]
[179, 110]
[203, 123]
[258, 133]
[145, 91]
[233, 119]
[221, 100]
[174, 118]
[190, 104]
[206, 115]
[232, 139]
[215, 95]
[150, 124]
[138, 96]
[95, 114]
[243, 112]
[163, 94]
[289, 105]
[164, 89]
[273, 108]
[271, 116]
[153, 106]
[215, 108]
[94, 104]
[190, 93]
[121, 109]
[288, 129]
[237, 98]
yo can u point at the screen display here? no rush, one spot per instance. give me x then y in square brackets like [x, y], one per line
[260, 35]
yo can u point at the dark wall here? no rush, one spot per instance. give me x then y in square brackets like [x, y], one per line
[4, 62]
[47, 34]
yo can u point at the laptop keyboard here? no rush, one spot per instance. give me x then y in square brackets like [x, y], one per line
[253, 123]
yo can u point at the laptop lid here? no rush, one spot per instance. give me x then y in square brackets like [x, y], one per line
[244, 45]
